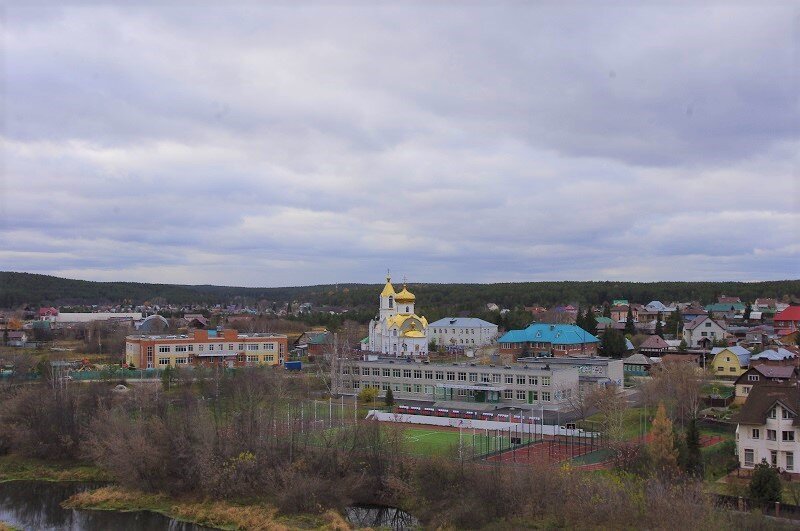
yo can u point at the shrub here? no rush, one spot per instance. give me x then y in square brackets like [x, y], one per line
[765, 485]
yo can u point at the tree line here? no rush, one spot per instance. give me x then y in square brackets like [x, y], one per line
[437, 300]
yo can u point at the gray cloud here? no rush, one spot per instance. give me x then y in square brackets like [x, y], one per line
[295, 145]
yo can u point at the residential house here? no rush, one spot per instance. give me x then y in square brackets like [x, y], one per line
[654, 345]
[787, 321]
[17, 338]
[729, 361]
[637, 365]
[728, 310]
[763, 305]
[767, 427]
[725, 299]
[776, 356]
[692, 312]
[760, 374]
[620, 312]
[543, 339]
[702, 331]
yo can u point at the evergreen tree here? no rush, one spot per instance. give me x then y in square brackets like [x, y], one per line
[613, 343]
[579, 318]
[166, 377]
[606, 310]
[675, 323]
[694, 459]
[662, 449]
[590, 321]
[659, 326]
[765, 485]
[389, 397]
[5, 336]
[629, 328]
[683, 347]
[747, 309]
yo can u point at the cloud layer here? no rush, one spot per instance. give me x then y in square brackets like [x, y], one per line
[287, 145]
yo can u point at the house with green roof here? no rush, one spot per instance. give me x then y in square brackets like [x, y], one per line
[549, 340]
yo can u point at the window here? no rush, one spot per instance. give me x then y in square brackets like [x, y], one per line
[497, 378]
[417, 374]
[163, 348]
[708, 325]
[485, 377]
[534, 396]
[462, 377]
[545, 380]
[428, 376]
[376, 371]
[191, 348]
[748, 457]
[733, 369]
[440, 375]
[406, 373]
[180, 348]
[756, 433]
[396, 373]
[533, 380]
[773, 413]
[520, 380]
[545, 396]
[269, 358]
[396, 387]
[509, 379]
[356, 384]
[720, 369]
[345, 370]
[230, 346]
[508, 394]
[181, 361]
[386, 373]
[241, 346]
[473, 377]
[163, 361]
[385, 386]
[462, 392]
[252, 346]
[789, 460]
[787, 436]
[772, 435]
[451, 376]
[406, 388]
[428, 389]
[773, 457]
[521, 396]
[269, 346]
[752, 377]
[787, 414]
[252, 358]
[417, 388]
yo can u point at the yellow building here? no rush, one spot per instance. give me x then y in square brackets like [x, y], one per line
[730, 361]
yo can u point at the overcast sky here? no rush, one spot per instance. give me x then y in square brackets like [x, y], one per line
[284, 145]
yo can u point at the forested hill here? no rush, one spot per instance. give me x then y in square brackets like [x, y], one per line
[18, 289]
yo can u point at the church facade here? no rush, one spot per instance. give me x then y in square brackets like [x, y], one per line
[397, 330]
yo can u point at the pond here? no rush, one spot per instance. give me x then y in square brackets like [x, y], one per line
[36, 505]
[380, 516]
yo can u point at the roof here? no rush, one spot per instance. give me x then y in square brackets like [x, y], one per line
[725, 307]
[462, 322]
[656, 306]
[628, 344]
[637, 359]
[559, 334]
[740, 352]
[400, 319]
[697, 321]
[792, 313]
[412, 333]
[654, 342]
[763, 397]
[604, 320]
[774, 355]
[775, 371]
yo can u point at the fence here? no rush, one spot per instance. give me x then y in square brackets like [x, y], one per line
[777, 509]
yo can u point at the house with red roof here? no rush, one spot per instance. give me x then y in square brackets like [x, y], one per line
[787, 321]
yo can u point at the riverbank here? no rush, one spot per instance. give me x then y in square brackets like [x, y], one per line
[218, 514]
[17, 468]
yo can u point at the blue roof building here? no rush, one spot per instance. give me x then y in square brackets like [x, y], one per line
[549, 340]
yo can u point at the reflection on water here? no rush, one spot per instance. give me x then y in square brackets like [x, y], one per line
[380, 516]
[36, 505]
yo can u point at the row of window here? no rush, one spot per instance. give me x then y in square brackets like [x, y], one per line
[788, 460]
[251, 358]
[216, 346]
[461, 331]
[450, 376]
[508, 394]
[772, 435]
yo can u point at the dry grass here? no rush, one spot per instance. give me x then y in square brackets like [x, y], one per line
[15, 468]
[7, 527]
[219, 514]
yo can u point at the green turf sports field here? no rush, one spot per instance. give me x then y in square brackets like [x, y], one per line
[430, 441]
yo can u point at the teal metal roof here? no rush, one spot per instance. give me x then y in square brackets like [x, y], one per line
[725, 307]
[559, 334]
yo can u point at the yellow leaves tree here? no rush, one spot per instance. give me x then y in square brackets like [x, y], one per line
[662, 448]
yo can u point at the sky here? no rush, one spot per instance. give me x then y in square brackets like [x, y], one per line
[309, 143]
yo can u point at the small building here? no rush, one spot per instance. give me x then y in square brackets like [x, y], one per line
[760, 374]
[17, 338]
[787, 321]
[637, 365]
[727, 309]
[703, 331]
[549, 340]
[776, 356]
[467, 332]
[729, 361]
[767, 427]
[654, 345]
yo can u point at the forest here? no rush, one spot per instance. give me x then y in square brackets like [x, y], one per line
[19, 289]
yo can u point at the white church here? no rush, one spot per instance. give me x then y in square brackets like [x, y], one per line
[397, 331]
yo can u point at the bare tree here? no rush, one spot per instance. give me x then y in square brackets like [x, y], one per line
[611, 404]
[679, 386]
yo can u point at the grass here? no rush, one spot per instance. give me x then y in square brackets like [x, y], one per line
[17, 468]
[425, 441]
[634, 419]
[217, 514]
[598, 456]
[8, 527]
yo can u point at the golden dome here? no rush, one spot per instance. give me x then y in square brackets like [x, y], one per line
[413, 333]
[405, 296]
[388, 289]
